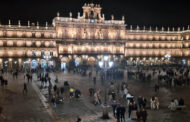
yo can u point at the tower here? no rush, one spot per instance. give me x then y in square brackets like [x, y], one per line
[92, 11]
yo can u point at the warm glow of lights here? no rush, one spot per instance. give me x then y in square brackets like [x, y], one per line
[9, 43]
[144, 52]
[138, 37]
[19, 34]
[19, 60]
[1, 43]
[9, 33]
[1, 33]
[157, 37]
[144, 37]
[10, 59]
[187, 37]
[47, 35]
[162, 45]
[162, 38]
[20, 43]
[156, 45]
[38, 34]
[29, 53]
[169, 38]
[150, 45]
[10, 53]
[131, 37]
[28, 43]
[47, 43]
[38, 43]
[168, 45]
[150, 37]
[20, 53]
[144, 45]
[28, 34]
[137, 45]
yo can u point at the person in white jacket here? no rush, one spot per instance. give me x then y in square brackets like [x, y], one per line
[152, 103]
[172, 106]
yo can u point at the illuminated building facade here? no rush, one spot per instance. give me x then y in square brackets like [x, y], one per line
[89, 37]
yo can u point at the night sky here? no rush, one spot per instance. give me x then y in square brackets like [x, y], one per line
[137, 12]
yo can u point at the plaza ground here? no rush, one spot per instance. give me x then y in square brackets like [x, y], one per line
[34, 106]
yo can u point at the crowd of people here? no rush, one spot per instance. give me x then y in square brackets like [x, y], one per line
[170, 76]
[119, 96]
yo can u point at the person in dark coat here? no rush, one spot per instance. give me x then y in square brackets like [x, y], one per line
[144, 101]
[122, 116]
[181, 102]
[55, 88]
[138, 113]
[25, 90]
[6, 82]
[78, 119]
[77, 93]
[2, 82]
[156, 88]
[144, 115]
[118, 113]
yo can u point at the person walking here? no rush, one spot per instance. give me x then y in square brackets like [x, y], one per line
[54, 102]
[118, 113]
[25, 90]
[122, 116]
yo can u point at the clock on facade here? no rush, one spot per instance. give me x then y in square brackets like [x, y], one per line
[92, 21]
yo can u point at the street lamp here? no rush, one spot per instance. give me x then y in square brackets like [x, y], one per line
[105, 64]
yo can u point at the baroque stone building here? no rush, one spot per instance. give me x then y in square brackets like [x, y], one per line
[89, 37]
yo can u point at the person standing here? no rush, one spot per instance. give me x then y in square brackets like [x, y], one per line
[144, 115]
[156, 87]
[144, 102]
[156, 102]
[114, 107]
[152, 103]
[130, 109]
